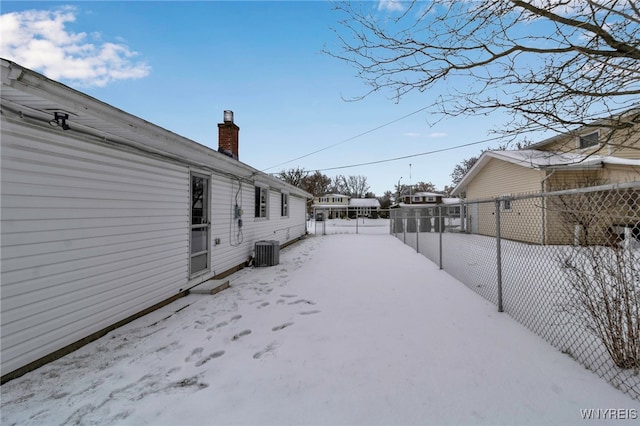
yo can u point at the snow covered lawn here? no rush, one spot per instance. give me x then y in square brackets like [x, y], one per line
[346, 330]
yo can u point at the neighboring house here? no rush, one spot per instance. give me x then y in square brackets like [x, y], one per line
[423, 198]
[105, 216]
[334, 206]
[365, 207]
[585, 157]
[418, 204]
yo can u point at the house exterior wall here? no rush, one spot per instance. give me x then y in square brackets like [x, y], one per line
[620, 174]
[95, 221]
[332, 199]
[90, 236]
[500, 178]
[237, 243]
[623, 143]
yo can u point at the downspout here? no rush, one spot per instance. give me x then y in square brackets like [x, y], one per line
[544, 207]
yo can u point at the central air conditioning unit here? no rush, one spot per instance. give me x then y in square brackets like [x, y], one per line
[267, 253]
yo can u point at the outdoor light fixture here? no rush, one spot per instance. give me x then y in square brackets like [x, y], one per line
[60, 119]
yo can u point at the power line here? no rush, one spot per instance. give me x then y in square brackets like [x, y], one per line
[449, 148]
[412, 155]
[350, 139]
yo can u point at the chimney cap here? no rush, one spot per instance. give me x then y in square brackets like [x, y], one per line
[228, 116]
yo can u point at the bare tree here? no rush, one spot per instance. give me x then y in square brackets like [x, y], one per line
[294, 177]
[461, 169]
[385, 200]
[400, 191]
[555, 64]
[602, 267]
[317, 184]
[424, 187]
[353, 186]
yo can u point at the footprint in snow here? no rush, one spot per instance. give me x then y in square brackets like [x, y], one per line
[281, 326]
[308, 302]
[241, 334]
[195, 353]
[309, 312]
[265, 351]
[209, 358]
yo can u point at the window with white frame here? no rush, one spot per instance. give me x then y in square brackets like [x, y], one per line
[261, 201]
[590, 139]
[284, 204]
[453, 211]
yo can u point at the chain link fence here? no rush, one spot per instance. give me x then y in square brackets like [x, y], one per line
[348, 220]
[565, 264]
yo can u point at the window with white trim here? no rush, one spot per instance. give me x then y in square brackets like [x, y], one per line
[261, 201]
[284, 205]
[590, 139]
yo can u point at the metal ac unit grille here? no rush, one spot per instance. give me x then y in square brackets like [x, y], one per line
[267, 253]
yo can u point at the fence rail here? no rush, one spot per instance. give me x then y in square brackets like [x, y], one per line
[348, 220]
[565, 264]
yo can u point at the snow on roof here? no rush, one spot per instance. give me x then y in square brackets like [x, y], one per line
[334, 195]
[364, 202]
[426, 194]
[537, 159]
[354, 202]
[450, 200]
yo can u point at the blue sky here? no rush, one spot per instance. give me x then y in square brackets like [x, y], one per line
[180, 64]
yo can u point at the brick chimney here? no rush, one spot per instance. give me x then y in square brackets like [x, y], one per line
[228, 136]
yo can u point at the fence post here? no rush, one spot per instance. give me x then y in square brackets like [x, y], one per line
[440, 234]
[404, 227]
[417, 219]
[356, 218]
[499, 255]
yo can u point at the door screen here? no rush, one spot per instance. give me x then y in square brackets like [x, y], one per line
[199, 259]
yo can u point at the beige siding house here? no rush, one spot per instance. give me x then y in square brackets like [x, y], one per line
[586, 157]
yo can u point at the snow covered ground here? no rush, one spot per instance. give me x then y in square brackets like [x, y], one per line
[347, 330]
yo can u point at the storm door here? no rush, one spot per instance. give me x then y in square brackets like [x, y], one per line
[200, 211]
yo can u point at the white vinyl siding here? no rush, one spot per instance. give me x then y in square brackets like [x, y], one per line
[90, 235]
[236, 245]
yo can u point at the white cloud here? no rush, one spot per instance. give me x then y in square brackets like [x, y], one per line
[39, 40]
[390, 5]
[437, 135]
[412, 134]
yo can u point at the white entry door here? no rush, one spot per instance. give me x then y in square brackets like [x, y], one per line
[200, 216]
